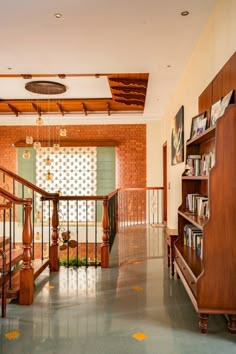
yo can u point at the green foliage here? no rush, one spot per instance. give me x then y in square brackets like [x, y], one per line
[76, 262]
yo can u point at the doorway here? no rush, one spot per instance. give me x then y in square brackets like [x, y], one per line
[164, 158]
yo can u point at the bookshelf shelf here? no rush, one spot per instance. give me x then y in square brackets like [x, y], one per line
[193, 262]
[205, 250]
[198, 221]
[196, 178]
[205, 136]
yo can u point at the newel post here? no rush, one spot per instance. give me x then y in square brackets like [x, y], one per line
[26, 295]
[54, 249]
[105, 237]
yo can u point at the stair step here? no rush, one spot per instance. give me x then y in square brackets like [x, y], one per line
[13, 293]
[7, 239]
[16, 257]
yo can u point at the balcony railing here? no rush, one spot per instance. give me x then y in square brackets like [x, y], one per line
[70, 230]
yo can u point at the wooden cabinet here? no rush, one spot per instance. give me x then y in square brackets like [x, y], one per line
[209, 277]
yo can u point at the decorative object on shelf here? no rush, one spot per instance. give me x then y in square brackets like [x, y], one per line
[215, 112]
[226, 100]
[198, 125]
[177, 137]
[26, 155]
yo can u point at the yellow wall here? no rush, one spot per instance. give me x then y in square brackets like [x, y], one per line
[215, 46]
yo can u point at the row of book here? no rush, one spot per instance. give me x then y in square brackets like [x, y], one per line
[193, 238]
[200, 165]
[198, 204]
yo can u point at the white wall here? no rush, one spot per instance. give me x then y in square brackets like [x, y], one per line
[214, 47]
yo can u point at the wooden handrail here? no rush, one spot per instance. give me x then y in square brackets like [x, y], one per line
[28, 184]
[11, 197]
[139, 188]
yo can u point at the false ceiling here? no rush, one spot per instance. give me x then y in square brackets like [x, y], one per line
[137, 48]
[81, 94]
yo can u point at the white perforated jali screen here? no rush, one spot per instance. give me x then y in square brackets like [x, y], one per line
[74, 171]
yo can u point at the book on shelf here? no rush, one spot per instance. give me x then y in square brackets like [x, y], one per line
[198, 204]
[199, 165]
[192, 236]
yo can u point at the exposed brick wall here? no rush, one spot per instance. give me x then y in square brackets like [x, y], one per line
[130, 151]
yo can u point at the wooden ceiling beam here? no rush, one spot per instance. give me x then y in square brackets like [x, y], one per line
[36, 108]
[13, 109]
[60, 108]
[108, 108]
[84, 108]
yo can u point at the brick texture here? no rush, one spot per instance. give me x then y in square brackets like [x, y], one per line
[130, 146]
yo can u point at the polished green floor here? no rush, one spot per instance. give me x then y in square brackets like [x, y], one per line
[133, 307]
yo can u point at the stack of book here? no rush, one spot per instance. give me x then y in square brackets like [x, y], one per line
[197, 204]
[200, 165]
[193, 238]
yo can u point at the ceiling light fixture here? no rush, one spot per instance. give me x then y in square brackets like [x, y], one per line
[58, 15]
[45, 87]
[184, 13]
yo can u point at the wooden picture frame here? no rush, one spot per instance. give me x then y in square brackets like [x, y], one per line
[177, 137]
[199, 124]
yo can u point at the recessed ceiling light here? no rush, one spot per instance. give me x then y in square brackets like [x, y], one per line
[58, 15]
[185, 13]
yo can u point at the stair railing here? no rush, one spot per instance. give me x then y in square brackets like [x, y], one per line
[18, 186]
[3, 281]
[26, 272]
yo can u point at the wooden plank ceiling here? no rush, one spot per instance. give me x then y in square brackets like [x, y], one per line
[128, 96]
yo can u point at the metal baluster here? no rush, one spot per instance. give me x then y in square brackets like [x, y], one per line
[33, 216]
[42, 231]
[68, 232]
[77, 234]
[86, 203]
[96, 235]
[10, 247]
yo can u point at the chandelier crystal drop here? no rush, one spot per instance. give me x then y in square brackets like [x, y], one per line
[56, 147]
[49, 176]
[37, 145]
[39, 121]
[48, 161]
[26, 155]
[29, 139]
[63, 132]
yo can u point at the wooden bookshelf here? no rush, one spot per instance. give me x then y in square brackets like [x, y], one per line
[210, 278]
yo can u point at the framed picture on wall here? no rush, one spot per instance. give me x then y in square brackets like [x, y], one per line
[177, 137]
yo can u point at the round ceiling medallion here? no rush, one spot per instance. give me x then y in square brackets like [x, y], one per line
[45, 87]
